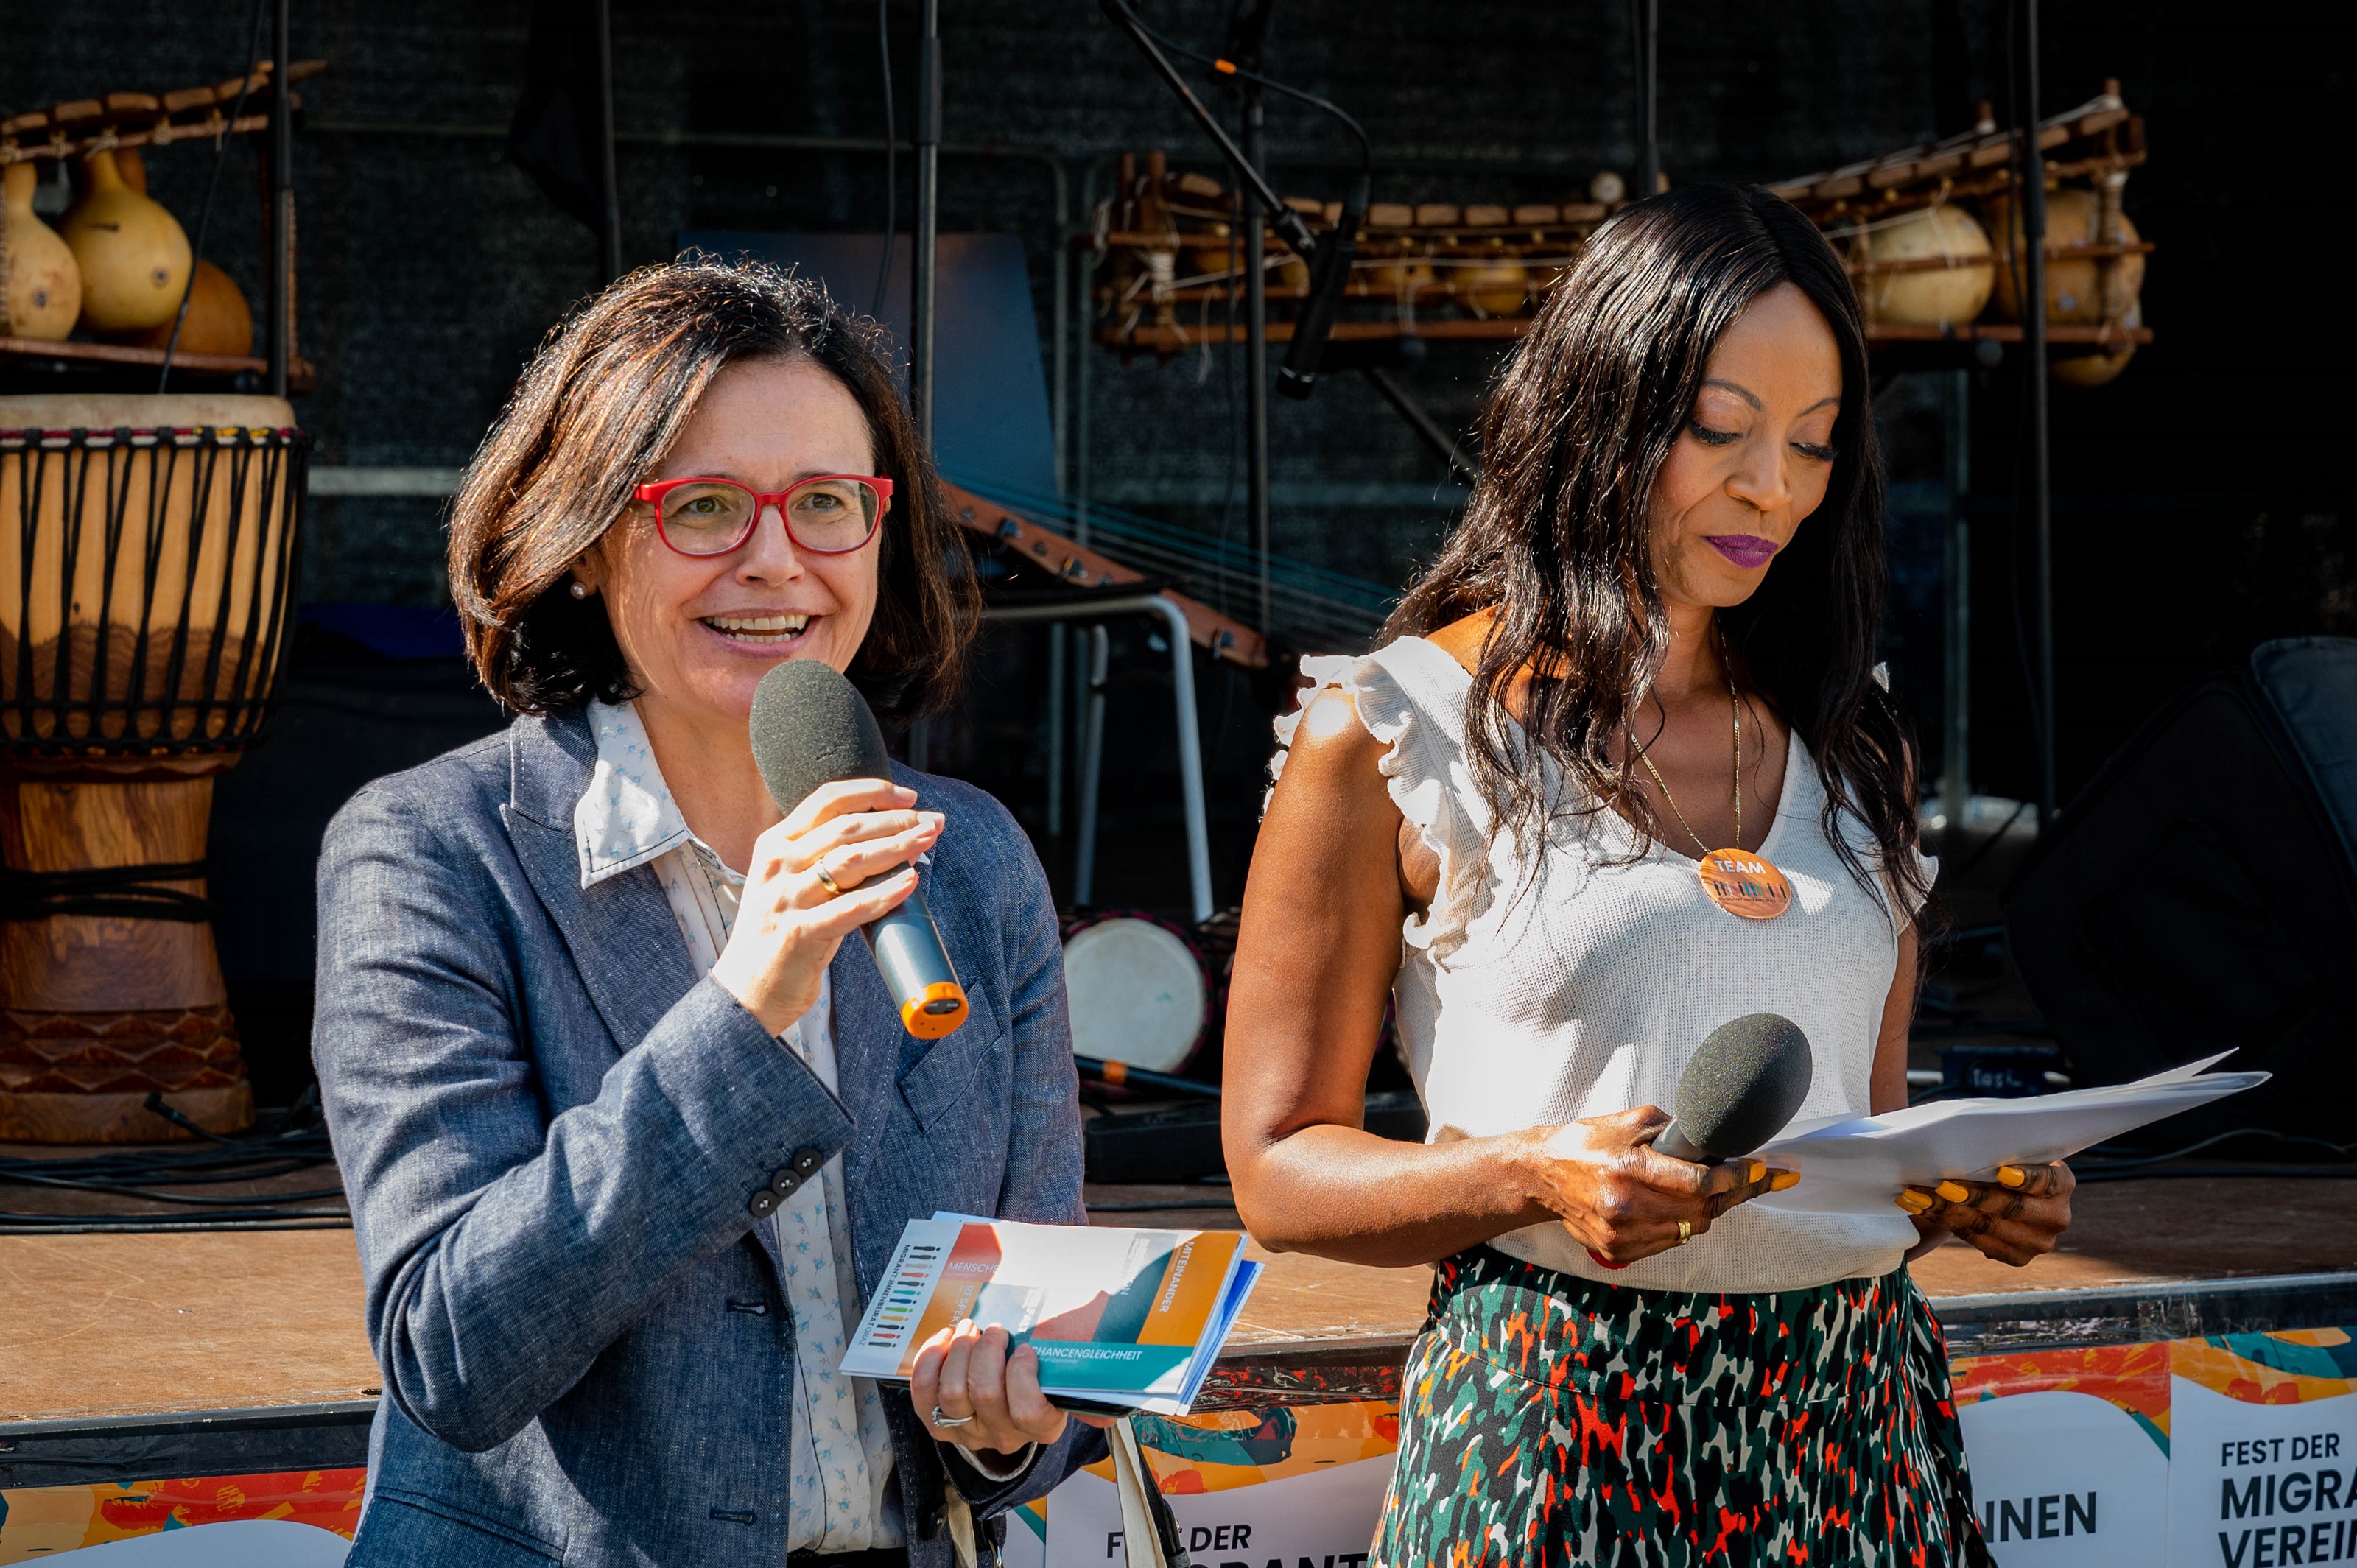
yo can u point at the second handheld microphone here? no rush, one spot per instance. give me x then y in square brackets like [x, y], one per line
[1740, 1087]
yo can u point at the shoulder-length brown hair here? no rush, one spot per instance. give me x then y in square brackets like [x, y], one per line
[604, 398]
[1558, 536]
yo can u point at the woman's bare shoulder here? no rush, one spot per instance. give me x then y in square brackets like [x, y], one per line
[1330, 745]
[1463, 639]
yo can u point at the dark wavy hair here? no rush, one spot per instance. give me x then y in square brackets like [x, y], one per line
[1557, 538]
[607, 395]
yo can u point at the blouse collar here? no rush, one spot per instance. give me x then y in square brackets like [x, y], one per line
[626, 816]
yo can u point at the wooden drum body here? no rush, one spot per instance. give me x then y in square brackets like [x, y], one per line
[147, 572]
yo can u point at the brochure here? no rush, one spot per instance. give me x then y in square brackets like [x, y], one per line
[1855, 1165]
[1121, 1319]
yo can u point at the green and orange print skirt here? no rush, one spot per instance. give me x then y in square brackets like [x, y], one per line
[1545, 1419]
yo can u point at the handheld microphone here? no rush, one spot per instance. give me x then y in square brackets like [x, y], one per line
[811, 728]
[1742, 1085]
[1747, 1078]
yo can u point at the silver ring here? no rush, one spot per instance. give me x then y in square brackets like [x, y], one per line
[826, 880]
[941, 1420]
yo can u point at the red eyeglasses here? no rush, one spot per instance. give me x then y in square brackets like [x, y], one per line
[829, 514]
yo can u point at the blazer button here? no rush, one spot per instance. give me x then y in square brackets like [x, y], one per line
[807, 1162]
[762, 1204]
[784, 1183]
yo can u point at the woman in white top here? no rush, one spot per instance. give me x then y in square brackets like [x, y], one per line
[1650, 639]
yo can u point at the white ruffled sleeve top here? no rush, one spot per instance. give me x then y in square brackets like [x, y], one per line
[1555, 980]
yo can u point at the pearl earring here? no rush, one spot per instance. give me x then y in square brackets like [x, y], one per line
[580, 589]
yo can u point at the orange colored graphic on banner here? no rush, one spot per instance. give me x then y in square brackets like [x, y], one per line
[2133, 1377]
[2292, 1367]
[1220, 1449]
[37, 1523]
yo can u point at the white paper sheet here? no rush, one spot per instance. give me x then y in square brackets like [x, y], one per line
[1857, 1165]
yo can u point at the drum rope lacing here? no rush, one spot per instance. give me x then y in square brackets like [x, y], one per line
[179, 689]
[107, 892]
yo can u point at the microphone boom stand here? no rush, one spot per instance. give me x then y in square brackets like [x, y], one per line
[1328, 260]
[2029, 193]
[1283, 219]
[1256, 475]
[926, 242]
[923, 247]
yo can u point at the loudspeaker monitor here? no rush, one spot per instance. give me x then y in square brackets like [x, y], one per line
[2200, 893]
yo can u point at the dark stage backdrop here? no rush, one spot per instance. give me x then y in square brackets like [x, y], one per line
[2203, 501]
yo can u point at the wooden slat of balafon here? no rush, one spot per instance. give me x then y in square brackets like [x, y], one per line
[1967, 148]
[1046, 550]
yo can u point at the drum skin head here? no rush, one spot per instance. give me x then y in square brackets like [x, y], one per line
[1137, 993]
[144, 410]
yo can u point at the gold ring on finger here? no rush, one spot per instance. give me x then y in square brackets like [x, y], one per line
[826, 878]
[1686, 1231]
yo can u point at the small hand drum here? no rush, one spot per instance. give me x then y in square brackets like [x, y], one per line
[146, 568]
[1138, 991]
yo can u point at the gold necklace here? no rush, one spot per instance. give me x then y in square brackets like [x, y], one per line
[1740, 882]
[1660, 784]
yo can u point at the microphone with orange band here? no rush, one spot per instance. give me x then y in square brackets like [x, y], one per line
[812, 727]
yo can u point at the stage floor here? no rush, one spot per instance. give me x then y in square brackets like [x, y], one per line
[96, 1326]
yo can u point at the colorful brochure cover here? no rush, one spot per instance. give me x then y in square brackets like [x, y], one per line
[1128, 1319]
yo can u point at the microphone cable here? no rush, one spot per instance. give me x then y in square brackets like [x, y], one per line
[891, 157]
[1228, 68]
[2126, 1165]
[1329, 259]
[289, 1141]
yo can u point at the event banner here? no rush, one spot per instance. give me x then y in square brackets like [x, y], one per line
[37, 1523]
[2234, 1452]
[2238, 1451]
[1289, 1485]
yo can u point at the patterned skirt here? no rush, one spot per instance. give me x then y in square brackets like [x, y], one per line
[1545, 1419]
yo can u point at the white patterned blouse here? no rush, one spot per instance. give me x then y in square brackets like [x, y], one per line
[841, 1450]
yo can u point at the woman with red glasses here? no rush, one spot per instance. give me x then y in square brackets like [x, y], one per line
[630, 1130]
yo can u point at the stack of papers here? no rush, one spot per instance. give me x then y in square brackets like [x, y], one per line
[1857, 1165]
[1121, 1319]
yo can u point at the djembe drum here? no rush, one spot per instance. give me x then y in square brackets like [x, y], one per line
[146, 570]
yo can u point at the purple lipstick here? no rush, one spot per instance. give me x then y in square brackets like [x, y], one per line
[1746, 551]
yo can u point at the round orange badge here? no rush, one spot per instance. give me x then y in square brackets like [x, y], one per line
[1744, 884]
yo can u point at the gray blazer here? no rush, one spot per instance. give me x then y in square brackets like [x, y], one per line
[551, 1130]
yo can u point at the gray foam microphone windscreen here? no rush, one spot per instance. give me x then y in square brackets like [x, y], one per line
[1743, 1084]
[811, 727]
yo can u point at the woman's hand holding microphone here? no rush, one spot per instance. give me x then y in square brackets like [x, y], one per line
[809, 886]
[842, 857]
[1624, 1200]
[1619, 1197]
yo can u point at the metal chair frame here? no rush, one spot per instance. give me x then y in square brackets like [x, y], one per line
[1190, 746]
